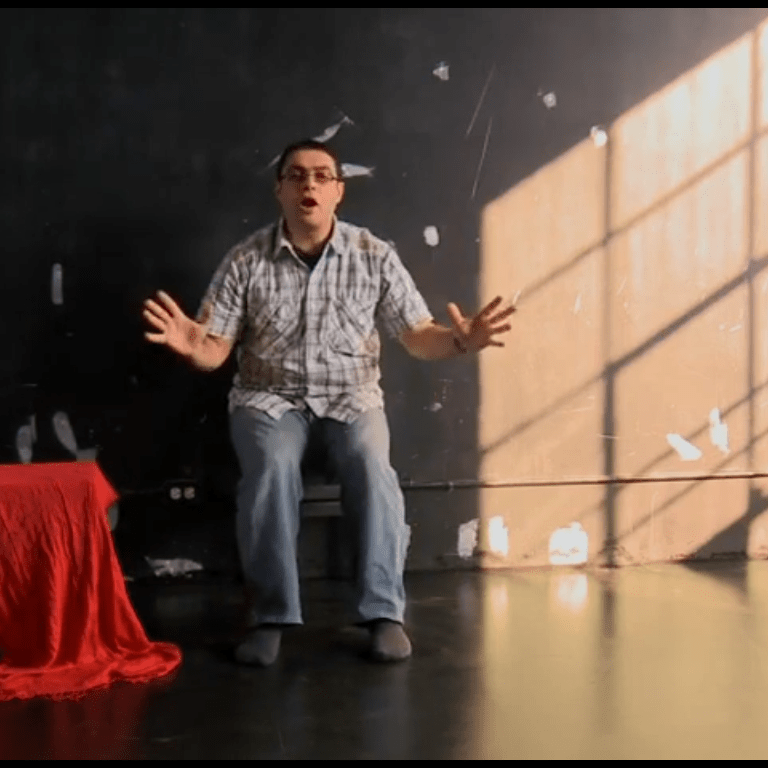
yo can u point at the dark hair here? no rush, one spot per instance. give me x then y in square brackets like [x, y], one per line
[308, 144]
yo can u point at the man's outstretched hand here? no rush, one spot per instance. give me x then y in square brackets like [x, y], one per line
[174, 329]
[476, 333]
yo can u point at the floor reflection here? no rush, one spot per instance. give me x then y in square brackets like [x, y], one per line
[664, 661]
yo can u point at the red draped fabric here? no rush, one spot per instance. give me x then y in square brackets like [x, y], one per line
[67, 625]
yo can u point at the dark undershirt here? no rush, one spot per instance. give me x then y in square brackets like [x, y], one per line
[307, 258]
[310, 261]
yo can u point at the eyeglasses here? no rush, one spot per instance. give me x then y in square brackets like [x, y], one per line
[299, 175]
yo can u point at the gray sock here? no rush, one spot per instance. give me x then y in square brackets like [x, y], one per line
[389, 641]
[261, 647]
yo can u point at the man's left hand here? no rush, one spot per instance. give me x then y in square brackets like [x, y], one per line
[475, 333]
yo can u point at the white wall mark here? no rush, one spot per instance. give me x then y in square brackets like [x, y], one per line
[569, 546]
[467, 539]
[599, 136]
[482, 157]
[407, 538]
[685, 450]
[431, 236]
[480, 102]
[24, 442]
[64, 432]
[57, 285]
[718, 431]
[498, 536]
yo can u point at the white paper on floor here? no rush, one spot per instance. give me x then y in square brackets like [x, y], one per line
[176, 567]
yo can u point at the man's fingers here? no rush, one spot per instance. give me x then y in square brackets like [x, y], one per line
[153, 309]
[503, 315]
[157, 320]
[170, 305]
[156, 338]
[456, 317]
[490, 306]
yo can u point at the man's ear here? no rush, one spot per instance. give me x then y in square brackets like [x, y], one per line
[342, 189]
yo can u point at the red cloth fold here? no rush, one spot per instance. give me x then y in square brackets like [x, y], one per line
[67, 625]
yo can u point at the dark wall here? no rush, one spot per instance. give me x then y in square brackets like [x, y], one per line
[135, 151]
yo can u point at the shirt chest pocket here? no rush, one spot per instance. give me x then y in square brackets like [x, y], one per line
[352, 327]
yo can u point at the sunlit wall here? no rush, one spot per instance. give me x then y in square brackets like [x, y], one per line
[631, 397]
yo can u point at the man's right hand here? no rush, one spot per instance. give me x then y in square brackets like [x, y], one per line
[174, 329]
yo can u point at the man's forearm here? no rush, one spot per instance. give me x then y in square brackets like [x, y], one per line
[434, 342]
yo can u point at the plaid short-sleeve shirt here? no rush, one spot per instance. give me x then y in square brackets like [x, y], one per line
[309, 337]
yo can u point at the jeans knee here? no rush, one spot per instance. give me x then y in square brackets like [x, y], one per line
[264, 446]
[370, 463]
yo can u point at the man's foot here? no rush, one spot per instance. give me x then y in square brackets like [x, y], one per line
[388, 641]
[261, 647]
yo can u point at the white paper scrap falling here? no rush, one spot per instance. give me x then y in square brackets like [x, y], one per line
[326, 135]
[550, 100]
[441, 71]
[349, 170]
[718, 431]
[332, 130]
[685, 450]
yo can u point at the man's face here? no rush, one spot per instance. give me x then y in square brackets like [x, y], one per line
[309, 191]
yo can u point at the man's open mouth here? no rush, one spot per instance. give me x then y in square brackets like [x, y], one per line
[308, 202]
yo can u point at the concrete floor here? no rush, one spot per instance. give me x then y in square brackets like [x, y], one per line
[662, 661]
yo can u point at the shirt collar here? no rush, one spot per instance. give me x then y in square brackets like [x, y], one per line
[335, 245]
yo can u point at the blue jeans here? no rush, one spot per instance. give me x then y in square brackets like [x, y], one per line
[270, 452]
